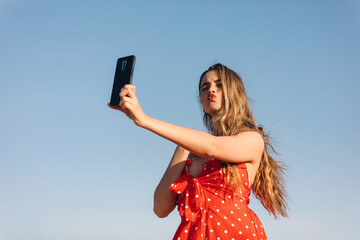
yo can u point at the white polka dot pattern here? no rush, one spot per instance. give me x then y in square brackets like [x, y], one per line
[210, 211]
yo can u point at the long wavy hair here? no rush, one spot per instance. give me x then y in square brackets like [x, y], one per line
[235, 117]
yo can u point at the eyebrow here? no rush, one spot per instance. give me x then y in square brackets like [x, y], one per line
[207, 83]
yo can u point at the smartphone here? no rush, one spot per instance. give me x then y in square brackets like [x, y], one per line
[123, 75]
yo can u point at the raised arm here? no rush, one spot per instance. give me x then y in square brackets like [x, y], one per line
[244, 147]
[164, 199]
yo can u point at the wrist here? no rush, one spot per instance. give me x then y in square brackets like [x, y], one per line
[145, 122]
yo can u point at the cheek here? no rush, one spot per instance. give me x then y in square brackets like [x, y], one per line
[203, 101]
[202, 98]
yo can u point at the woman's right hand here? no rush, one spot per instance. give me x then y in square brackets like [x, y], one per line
[130, 105]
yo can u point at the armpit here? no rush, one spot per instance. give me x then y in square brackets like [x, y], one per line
[191, 155]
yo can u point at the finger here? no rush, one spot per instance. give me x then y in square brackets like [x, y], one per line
[130, 89]
[128, 92]
[116, 107]
[123, 92]
[126, 100]
[121, 103]
[129, 86]
[131, 93]
[126, 107]
[113, 107]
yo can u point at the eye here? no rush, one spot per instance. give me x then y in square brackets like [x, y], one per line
[204, 88]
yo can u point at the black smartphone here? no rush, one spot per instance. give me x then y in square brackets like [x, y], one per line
[123, 75]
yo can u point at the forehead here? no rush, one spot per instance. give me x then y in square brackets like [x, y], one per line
[210, 76]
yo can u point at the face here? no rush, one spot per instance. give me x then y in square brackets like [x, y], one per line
[211, 92]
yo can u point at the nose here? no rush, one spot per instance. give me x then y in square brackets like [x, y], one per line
[212, 89]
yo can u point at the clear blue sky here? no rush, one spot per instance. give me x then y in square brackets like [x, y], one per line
[71, 168]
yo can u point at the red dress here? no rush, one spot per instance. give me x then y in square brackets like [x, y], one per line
[210, 211]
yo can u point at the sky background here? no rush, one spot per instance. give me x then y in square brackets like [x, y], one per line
[71, 168]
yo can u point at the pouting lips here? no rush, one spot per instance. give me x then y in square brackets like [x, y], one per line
[211, 96]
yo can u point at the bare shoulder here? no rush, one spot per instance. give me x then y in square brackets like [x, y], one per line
[255, 145]
[252, 136]
[244, 147]
[253, 140]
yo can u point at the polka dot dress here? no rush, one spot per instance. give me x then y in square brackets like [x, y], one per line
[210, 211]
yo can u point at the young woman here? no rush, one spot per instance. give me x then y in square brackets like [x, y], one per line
[211, 175]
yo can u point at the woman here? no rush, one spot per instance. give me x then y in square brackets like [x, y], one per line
[211, 175]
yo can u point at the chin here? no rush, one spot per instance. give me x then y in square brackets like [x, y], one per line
[212, 112]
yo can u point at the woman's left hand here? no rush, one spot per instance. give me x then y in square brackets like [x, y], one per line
[129, 104]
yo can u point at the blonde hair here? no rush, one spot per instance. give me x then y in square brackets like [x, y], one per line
[233, 118]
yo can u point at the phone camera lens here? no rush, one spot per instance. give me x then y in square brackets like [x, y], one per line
[123, 65]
